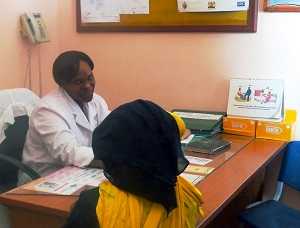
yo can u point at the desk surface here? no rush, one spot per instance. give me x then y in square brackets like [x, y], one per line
[227, 181]
[222, 185]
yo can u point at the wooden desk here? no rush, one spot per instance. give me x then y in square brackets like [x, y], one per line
[226, 182]
[247, 158]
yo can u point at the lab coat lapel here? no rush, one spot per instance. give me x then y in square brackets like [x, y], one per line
[78, 114]
[82, 120]
[93, 116]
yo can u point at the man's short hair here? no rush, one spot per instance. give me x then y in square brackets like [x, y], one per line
[66, 66]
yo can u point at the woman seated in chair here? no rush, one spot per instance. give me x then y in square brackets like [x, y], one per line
[139, 144]
[61, 125]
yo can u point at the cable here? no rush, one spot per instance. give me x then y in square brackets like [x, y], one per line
[27, 68]
[40, 71]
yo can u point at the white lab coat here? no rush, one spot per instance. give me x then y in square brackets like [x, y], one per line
[60, 134]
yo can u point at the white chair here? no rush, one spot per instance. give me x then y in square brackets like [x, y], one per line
[16, 106]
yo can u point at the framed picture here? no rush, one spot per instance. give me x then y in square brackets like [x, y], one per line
[282, 5]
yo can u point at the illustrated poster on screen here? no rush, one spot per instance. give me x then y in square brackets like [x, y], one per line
[256, 98]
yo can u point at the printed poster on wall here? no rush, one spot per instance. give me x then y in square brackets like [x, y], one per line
[256, 98]
[212, 5]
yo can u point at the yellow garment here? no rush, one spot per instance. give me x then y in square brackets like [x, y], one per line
[120, 209]
[180, 123]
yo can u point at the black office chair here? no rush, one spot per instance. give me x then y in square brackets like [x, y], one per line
[273, 213]
[11, 147]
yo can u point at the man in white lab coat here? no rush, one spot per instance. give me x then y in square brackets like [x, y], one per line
[61, 126]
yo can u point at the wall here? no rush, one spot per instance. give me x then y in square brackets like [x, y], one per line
[189, 70]
[15, 50]
[178, 70]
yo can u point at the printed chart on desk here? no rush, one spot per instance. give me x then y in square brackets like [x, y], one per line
[72, 180]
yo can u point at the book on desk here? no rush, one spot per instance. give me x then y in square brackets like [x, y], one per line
[205, 125]
[210, 145]
[202, 123]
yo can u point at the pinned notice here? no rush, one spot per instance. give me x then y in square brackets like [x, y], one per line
[212, 5]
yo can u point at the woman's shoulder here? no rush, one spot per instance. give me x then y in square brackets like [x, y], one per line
[100, 104]
[99, 99]
[52, 100]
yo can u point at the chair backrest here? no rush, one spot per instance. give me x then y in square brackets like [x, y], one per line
[15, 108]
[12, 146]
[290, 168]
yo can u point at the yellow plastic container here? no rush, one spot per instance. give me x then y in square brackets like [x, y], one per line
[283, 131]
[239, 126]
[290, 116]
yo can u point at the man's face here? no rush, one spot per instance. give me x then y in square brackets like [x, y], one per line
[82, 86]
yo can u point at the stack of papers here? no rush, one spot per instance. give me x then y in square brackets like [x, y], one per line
[196, 176]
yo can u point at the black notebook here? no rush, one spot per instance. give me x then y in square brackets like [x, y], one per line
[208, 145]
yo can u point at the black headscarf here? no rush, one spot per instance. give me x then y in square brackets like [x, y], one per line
[139, 145]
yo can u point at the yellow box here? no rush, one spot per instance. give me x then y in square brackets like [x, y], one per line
[239, 126]
[284, 130]
[276, 131]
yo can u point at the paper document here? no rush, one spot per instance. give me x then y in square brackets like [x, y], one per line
[100, 11]
[188, 139]
[67, 181]
[197, 160]
[199, 169]
[192, 177]
[199, 116]
[212, 5]
[134, 6]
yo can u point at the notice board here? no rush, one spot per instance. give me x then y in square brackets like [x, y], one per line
[164, 17]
